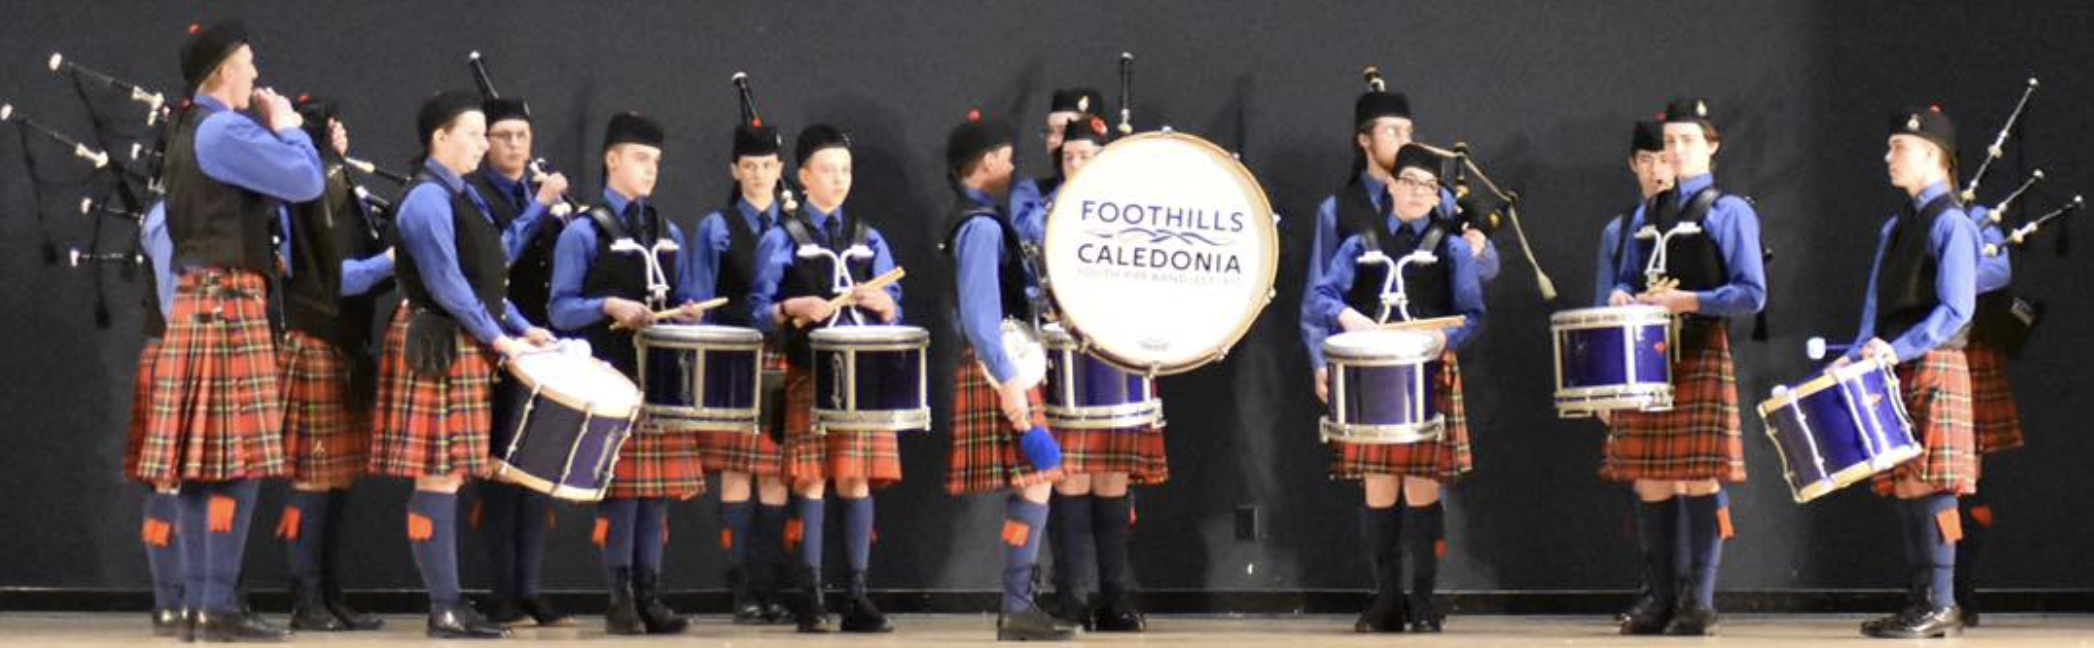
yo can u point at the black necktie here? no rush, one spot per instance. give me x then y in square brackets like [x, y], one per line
[833, 230]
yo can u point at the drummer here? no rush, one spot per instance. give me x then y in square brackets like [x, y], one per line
[722, 263]
[1091, 515]
[606, 296]
[999, 442]
[1916, 314]
[440, 353]
[1412, 473]
[1690, 451]
[787, 288]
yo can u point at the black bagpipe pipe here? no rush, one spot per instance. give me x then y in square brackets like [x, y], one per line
[155, 102]
[91, 207]
[1485, 213]
[480, 78]
[1126, 126]
[375, 171]
[1999, 142]
[788, 204]
[2019, 236]
[94, 156]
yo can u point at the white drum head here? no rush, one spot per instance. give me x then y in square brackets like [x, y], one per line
[1161, 252]
[578, 380]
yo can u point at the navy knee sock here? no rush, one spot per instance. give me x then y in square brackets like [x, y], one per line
[1024, 522]
[1929, 532]
[163, 548]
[1658, 531]
[810, 511]
[1074, 548]
[432, 534]
[1705, 543]
[615, 522]
[734, 534]
[1111, 525]
[858, 532]
[650, 533]
[302, 527]
[1423, 534]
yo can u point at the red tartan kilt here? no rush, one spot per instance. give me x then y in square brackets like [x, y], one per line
[655, 463]
[1993, 414]
[141, 405]
[873, 456]
[215, 412]
[1698, 439]
[329, 442]
[1936, 387]
[1443, 460]
[433, 427]
[1137, 453]
[985, 454]
[754, 454]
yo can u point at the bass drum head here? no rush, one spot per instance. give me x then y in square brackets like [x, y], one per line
[577, 380]
[1161, 252]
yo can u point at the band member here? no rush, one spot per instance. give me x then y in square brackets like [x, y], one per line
[1690, 451]
[513, 519]
[789, 287]
[1091, 515]
[1029, 196]
[440, 352]
[163, 507]
[722, 263]
[1653, 175]
[214, 425]
[1995, 418]
[607, 296]
[1412, 473]
[1916, 314]
[336, 264]
[999, 442]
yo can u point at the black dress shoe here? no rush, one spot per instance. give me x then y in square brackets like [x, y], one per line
[811, 614]
[167, 623]
[1690, 619]
[622, 616]
[229, 626]
[1917, 623]
[747, 608]
[461, 621]
[542, 612]
[860, 616]
[654, 614]
[309, 611]
[505, 611]
[776, 613]
[186, 629]
[1114, 613]
[1385, 615]
[1647, 616]
[1033, 624]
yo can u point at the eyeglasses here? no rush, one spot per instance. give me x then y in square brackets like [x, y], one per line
[510, 136]
[1415, 185]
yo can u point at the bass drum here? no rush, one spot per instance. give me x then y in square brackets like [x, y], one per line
[1161, 252]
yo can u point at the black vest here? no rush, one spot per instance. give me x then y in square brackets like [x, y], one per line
[1905, 279]
[737, 272]
[213, 224]
[1429, 287]
[324, 233]
[623, 275]
[1693, 259]
[480, 256]
[1356, 210]
[1011, 274]
[531, 272]
[812, 277]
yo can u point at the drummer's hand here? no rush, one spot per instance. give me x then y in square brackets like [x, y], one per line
[1619, 298]
[539, 337]
[1674, 301]
[1351, 320]
[876, 300]
[633, 315]
[1323, 384]
[1877, 348]
[511, 347]
[808, 308]
[1016, 406]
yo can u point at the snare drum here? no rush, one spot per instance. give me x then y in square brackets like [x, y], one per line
[1086, 393]
[871, 378]
[1383, 388]
[702, 377]
[1840, 428]
[570, 414]
[1613, 358]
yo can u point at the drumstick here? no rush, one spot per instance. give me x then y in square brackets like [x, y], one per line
[876, 283]
[697, 308]
[1455, 321]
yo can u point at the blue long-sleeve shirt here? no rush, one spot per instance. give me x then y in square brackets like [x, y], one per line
[1954, 242]
[159, 251]
[1029, 210]
[569, 309]
[235, 149]
[980, 252]
[776, 253]
[1327, 300]
[1994, 271]
[426, 230]
[359, 275]
[520, 191]
[1735, 228]
[1603, 279]
[701, 261]
[1326, 238]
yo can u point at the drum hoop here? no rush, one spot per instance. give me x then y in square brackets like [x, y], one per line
[505, 471]
[1602, 316]
[1429, 431]
[673, 334]
[574, 403]
[915, 418]
[883, 334]
[1263, 207]
[1823, 380]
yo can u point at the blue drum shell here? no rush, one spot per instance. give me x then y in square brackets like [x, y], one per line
[887, 380]
[1095, 383]
[544, 442]
[1383, 394]
[1596, 357]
